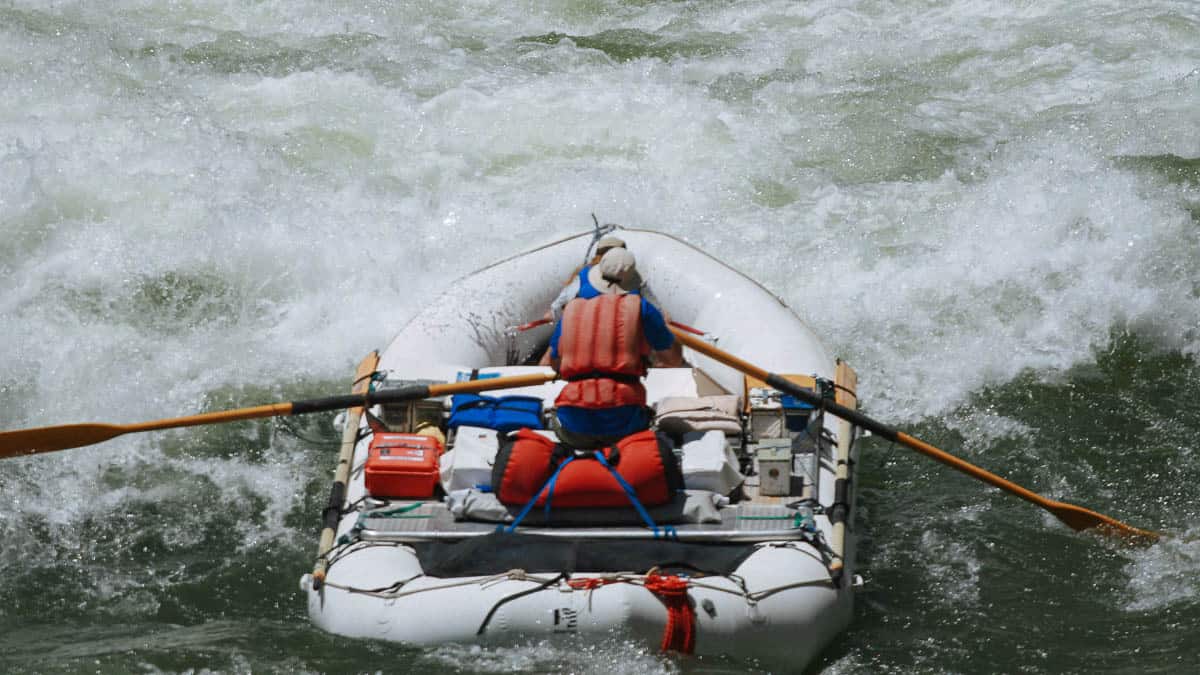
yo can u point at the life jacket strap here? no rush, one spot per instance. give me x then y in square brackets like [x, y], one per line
[623, 378]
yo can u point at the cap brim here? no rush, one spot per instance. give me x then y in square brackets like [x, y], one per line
[601, 284]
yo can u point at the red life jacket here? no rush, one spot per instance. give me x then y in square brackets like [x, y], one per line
[527, 461]
[603, 336]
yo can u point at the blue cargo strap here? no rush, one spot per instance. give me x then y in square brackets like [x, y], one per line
[667, 530]
[548, 488]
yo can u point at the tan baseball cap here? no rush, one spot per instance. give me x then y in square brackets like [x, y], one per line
[608, 242]
[615, 273]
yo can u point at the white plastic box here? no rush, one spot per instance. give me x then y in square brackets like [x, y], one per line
[709, 463]
[469, 462]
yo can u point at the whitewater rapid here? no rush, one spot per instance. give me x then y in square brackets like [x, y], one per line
[207, 202]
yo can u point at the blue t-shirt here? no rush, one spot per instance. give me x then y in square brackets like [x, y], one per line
[619, 421]
[586, 290]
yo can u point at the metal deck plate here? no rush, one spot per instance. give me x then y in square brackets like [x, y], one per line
[423, 521]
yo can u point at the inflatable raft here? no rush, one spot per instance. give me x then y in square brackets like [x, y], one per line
[753, 558]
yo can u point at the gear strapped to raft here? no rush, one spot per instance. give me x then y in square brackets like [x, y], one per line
[640, 469]
[502, 413]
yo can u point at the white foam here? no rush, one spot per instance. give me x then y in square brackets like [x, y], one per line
[607, 657]
[962, 284]
[932, 186]
[1164, 575]
[951, 568]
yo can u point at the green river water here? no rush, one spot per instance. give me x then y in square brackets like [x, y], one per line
[991, 210]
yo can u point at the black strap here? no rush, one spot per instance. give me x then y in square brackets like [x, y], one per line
[562, 453]
[542, 585]
[474, 403]
[624, 378]
[613, 455]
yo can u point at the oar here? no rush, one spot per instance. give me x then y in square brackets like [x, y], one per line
[51, 439]
[341, 474]
[1076, 517]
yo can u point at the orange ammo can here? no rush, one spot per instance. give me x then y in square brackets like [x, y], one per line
[402, 465]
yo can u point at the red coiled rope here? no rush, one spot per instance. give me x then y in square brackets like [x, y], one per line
[680, 632]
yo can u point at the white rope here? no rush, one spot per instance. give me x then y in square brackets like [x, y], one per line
[511, 575]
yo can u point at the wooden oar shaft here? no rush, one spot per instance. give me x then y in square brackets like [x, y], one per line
[220, 417]
[1076, 517]
[972, 470]
[50, 439]
[341, 473]
[721, 355]
[782, 384]
[472, 386]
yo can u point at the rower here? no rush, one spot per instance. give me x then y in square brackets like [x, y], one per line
[600, 346]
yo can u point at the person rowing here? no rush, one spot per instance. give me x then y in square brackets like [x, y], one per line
[601, 347]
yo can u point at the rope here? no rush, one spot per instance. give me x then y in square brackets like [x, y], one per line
[598, 232]
[593, 583]
[344, 548]
[679, 634]
[282, 424]
[587, 584]
[756, 596]
[371, 376]
[387, 594]
[353, 506]
[382, 591]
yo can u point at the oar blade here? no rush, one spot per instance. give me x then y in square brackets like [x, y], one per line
[49, 439]
[1079, 518]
